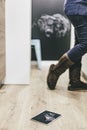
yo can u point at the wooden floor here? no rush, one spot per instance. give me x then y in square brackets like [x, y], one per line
[19, 103]
[2, 39]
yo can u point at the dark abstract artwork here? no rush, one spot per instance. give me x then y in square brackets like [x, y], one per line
[51, 27]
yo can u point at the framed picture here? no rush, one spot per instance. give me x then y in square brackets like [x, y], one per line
[51, 27]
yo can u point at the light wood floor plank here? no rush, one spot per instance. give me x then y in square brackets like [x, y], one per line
[19, 103]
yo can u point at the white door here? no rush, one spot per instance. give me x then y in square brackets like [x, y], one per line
[17, 41]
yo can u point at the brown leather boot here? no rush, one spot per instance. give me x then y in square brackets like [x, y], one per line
[56, 70]
[74, 76]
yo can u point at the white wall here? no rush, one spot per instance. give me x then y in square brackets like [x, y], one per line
[72, 39]
[18, 18]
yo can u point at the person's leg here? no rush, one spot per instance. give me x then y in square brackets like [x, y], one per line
[75, 82]
[74, 75]
[74, 70]
[71, 57]
[80, 24]
[56, 70]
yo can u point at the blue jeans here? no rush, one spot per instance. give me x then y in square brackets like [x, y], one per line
[80, 48]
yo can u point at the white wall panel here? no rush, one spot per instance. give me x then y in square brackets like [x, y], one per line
[18, 18]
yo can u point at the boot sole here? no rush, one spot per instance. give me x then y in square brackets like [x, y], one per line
[76, 89]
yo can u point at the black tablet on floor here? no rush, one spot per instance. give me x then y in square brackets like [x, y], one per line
[46, 117]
